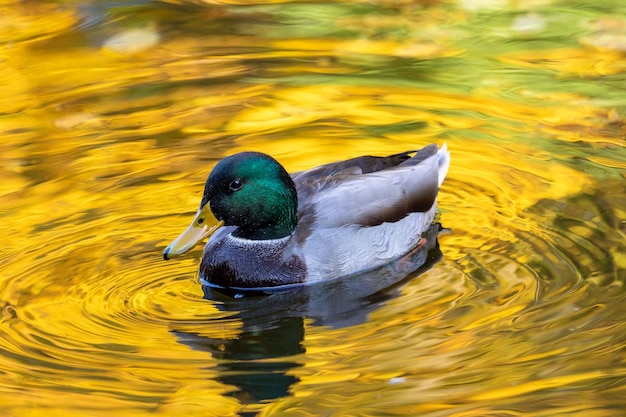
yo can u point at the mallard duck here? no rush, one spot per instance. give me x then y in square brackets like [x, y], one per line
[269, 228]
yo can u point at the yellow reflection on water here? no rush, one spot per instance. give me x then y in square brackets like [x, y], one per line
[104, 155]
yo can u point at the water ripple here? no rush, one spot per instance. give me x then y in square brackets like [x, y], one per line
[522, 315]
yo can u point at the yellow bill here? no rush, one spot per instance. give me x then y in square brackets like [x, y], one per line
[204, 224]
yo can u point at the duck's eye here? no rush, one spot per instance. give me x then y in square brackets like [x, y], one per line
[235, 184]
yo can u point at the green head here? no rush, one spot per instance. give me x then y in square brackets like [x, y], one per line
[253, 191]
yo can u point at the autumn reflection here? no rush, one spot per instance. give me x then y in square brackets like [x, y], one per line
[113, 113]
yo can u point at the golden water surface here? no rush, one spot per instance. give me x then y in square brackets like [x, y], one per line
[113, 113]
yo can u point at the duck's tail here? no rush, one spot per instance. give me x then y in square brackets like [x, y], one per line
[443, 158]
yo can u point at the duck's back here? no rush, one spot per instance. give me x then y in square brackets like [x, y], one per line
[363, 213]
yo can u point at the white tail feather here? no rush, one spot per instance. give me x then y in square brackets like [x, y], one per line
[443, 158]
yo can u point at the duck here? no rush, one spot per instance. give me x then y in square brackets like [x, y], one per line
[268, 228]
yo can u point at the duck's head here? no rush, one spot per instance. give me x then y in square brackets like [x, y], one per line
[249, 190]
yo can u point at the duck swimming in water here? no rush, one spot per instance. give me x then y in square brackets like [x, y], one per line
[269, 228]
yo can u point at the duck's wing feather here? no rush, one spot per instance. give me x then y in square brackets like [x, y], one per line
[359, 194]
[361, 164]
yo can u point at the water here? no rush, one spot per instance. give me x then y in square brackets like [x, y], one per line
[114, 113]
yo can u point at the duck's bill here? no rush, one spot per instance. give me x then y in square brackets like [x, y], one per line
[204, 224]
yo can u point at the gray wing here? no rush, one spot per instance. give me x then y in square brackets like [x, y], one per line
[355, 197]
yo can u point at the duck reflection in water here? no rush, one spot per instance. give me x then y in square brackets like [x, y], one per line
[273, 321]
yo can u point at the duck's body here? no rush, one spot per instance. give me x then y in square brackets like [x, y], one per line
[334, 220]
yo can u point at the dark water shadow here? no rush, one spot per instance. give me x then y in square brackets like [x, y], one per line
[273, 321]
